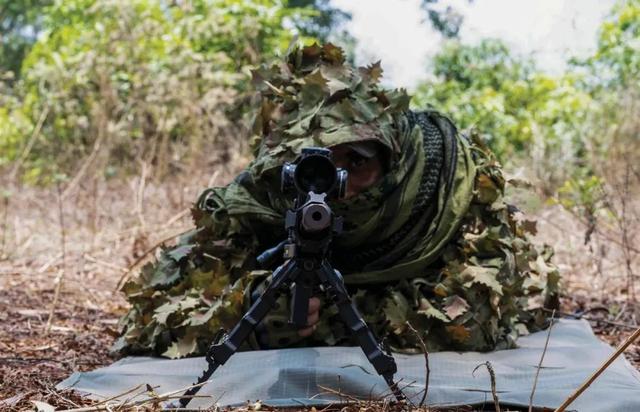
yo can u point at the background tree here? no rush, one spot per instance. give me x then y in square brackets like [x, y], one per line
[20, 22]
[446, 21]
[152, 81]
[525, 115]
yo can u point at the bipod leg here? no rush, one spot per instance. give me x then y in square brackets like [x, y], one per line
[220, 352]
[383, 362]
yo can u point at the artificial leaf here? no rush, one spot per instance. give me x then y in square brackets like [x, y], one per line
[372, 73]
[162, 312]
[333, 54]
[396, 310]
[483, 275]
[165, 276]
[309, 57]
[455, 306]
[183, 347]
[313, 90]
[530, 226]
[458, 332]
[203, 317]
[441, 290]
[486, 189]
[541, 266]
[180, 252]
[427, 309]
[398, 100]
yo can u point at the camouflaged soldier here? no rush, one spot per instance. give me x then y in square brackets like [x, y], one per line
[427, 237]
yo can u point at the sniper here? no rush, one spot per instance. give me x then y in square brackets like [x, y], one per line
[427, 237]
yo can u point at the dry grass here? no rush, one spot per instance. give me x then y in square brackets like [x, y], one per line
[108, 226]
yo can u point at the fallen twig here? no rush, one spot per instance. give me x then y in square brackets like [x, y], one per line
[492, 376]
[426, 363]
[49, 263]
[176, 217]
[60, 277]
[544, 351]
[580, 316]
[599, 371]
[103, 263]
[340, 394]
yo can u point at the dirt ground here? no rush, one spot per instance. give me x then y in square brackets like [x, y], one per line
[82, 242]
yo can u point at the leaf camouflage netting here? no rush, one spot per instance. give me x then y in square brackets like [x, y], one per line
[432, 243]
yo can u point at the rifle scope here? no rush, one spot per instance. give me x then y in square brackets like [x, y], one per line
[314, 171]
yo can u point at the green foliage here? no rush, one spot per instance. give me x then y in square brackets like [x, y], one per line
[139, 80]
[319, 18]
[582, 194]
[447, 21]
[616, 62]
[521, 112]
[19, 24]
[604, 184]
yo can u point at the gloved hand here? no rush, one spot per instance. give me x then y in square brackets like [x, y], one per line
[275, 331]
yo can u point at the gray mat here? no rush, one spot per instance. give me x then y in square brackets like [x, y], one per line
[294, 377]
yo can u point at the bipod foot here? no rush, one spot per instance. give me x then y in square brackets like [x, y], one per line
[397, 392]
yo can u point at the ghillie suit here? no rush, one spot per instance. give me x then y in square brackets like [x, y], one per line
[432, 243]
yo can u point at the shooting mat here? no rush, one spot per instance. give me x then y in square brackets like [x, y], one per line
[296, 377]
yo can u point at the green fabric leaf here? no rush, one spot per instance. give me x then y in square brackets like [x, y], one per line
[396, 310]
[427, 309]
[183, 347]
[180, 252]
[482, 275]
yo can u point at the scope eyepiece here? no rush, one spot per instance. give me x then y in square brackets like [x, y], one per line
[314, 171]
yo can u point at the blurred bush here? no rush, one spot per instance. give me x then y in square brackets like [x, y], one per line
[524, 114]
[115, 83]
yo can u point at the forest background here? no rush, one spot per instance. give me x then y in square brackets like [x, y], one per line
[114, 115]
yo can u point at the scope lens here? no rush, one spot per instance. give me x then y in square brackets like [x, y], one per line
[316, 174]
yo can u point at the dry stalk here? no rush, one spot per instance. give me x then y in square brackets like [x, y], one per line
[93, 219]
[153, 399]
[426, 363]
[140, 196]
[103, 263]
[492, 376]
[5, 224]
[30, 143]
[544, 351]
[589, 318]
[49, 263]
[213, 178]
[340, 394]
[60, 277]
[635, 335]
[176, 217]
[607, 236]
[624, 224]
[83, 169]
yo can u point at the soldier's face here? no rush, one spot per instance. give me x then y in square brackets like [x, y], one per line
[364, 171]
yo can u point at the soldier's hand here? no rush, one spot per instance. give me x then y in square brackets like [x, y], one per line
[312, 318]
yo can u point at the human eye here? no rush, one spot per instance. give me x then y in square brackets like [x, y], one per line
[356, 160]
